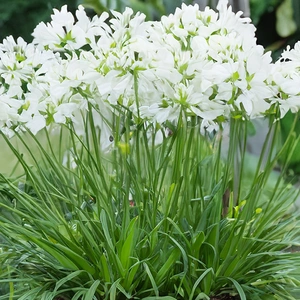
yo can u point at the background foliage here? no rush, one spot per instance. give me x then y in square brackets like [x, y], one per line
[19, 18]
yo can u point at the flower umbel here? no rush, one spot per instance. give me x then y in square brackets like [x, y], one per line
[203, 63]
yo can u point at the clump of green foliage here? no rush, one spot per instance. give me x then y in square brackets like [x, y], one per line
[167, 221]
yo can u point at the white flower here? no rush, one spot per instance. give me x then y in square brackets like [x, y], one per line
[36, 123]
[64, 111]
[199, 63]
[8, 110]
[63, 32]
[285, 81]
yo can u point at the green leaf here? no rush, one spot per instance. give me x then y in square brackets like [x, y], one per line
[104, 224]
[57, 254]
[92, 290]
[69, 277]
[168, 265]
[113, 290]
[197, 242]
[238, 288]
[79, 295]
[128, 245]
[198, 281]
[128, 281]
[104, 270]
[152, 280]
[64, 255]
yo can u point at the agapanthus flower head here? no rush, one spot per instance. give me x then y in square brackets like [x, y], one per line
[195, 63]
[219, 62]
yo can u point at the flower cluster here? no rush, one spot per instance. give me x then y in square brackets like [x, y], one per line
[202, 63]
[285, 80]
